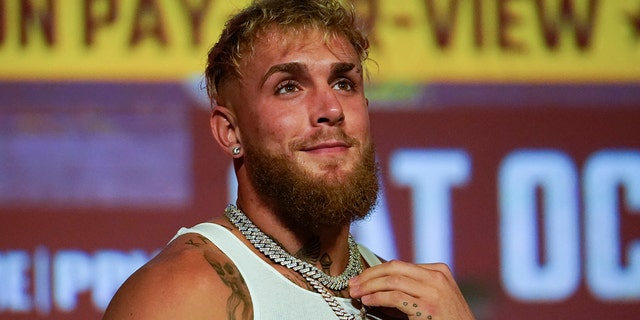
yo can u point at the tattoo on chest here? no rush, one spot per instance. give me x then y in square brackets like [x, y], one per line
[325, 262]
[311, 253]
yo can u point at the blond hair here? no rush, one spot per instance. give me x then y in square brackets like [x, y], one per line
[241, 30]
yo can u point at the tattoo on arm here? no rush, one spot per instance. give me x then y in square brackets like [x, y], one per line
[240, 299]
[239, 304]
[198, 243]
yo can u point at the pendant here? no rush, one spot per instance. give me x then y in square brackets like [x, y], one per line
[363, 310]
[363, 313]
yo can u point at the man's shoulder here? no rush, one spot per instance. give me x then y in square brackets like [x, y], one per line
[190, 256]
[188, 274]
[189, 263]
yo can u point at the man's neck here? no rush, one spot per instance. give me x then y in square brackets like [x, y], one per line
[326, 248]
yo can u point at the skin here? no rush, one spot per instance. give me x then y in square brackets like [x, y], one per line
[298, 88]
[411, 291]
[177, 284]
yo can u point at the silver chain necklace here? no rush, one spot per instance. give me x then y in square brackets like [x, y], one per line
[316, 278]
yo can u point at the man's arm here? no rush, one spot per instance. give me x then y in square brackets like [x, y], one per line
[189, 279]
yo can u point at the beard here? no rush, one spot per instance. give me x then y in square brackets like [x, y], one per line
[310, 202]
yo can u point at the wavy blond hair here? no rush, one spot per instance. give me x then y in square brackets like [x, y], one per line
[241, 30]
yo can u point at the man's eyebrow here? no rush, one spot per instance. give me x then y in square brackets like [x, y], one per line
[290, 67]
[342, 68]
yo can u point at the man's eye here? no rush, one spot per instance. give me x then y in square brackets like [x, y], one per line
[287, 87]
[343, 85]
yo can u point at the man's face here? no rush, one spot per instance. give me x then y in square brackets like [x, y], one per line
[304, 125]
[304, 99]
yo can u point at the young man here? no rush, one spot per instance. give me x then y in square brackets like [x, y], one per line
[286, 85]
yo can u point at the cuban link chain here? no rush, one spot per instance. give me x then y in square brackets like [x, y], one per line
[318, 279]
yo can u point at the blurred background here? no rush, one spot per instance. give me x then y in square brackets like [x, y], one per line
[508, 134]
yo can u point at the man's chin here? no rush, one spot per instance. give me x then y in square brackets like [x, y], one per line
[332, 177]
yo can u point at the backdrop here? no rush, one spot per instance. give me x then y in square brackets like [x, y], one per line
[507, 134]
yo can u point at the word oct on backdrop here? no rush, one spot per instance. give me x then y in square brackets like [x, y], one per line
[507, 133]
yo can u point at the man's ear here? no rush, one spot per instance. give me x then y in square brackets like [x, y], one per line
[225, 131]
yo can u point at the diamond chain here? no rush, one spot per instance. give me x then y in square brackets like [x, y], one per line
[318, 279]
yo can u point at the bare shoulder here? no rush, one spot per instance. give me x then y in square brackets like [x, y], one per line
[189, 279]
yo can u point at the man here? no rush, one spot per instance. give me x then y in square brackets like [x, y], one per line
[286, 85]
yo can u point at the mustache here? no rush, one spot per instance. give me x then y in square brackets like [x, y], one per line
[322, 136]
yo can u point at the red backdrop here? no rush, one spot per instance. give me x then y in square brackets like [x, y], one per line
[68, 235]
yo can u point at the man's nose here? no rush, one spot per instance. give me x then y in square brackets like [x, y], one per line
[328, 109]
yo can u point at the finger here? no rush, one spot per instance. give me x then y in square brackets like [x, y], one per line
[393, 282]
[398, 275]
[388, 268]
[415, 271]
[443, 271]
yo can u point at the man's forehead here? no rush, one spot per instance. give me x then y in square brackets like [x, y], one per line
[288, 40]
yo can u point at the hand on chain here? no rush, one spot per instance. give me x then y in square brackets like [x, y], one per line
[411, 291]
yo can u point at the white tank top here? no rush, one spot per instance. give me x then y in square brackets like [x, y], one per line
[274, 296]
